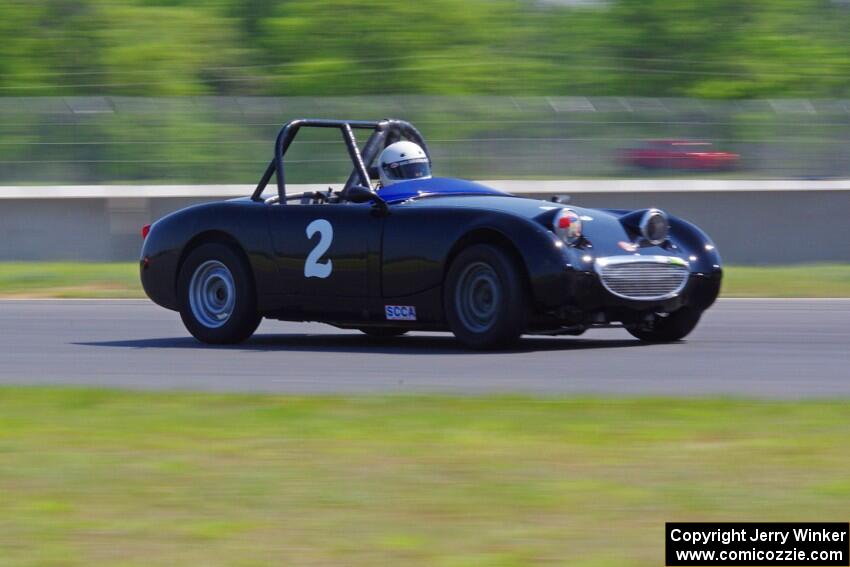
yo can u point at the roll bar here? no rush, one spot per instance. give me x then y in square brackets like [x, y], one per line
[384, 132]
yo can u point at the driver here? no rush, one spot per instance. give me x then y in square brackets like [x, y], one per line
[401, 161]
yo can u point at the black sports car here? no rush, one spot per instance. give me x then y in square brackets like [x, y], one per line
[429, 254]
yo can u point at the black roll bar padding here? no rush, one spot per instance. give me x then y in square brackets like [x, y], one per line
[354, 154]
[387, 132]
[399, 129]
[281, 144]
[373, 145]
[289, 130]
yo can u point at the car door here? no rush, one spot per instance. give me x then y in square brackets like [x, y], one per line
[327, 255]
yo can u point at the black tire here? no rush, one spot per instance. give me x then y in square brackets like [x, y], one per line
[674, 327]
[485, 298]
[215, 277]
[383, 332]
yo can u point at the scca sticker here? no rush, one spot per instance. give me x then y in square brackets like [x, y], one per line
[400, 312]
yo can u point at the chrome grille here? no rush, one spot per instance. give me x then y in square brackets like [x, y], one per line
[643, 277]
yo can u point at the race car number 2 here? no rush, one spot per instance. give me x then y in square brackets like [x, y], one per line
[312, 267]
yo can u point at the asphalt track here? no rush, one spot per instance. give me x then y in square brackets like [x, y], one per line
[751, 348]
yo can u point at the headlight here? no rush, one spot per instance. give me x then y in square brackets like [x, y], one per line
[567, 225]
[654, 226]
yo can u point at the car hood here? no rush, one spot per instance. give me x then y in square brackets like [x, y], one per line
[604, 228]
[497, 201]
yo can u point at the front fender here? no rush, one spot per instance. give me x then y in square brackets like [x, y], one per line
[418, 248]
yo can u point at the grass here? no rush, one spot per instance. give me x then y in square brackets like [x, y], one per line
[92, 477]
[70, 279]
[814, 280]
[105, 280]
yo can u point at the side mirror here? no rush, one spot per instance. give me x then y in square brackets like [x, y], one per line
[360, 194]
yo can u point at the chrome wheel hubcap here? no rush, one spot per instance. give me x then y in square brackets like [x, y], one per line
[212, 294]
[477, 297]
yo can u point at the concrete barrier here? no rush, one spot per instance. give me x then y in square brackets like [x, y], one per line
[751, 221]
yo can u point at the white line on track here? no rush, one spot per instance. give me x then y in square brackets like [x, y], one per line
[783, 299]
[138, 300]
[77, 299]
[520, 187]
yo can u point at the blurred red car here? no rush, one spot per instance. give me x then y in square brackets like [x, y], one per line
[679, 154]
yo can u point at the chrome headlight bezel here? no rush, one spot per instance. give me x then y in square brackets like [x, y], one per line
[654, 226]
[567, 225]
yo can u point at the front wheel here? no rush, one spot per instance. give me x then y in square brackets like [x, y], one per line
[484, 298]
[218, 304]
[673, 327]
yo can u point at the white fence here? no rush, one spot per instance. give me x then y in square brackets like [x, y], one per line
[752, 222]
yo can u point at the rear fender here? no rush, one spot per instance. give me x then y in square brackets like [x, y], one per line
[242, 224]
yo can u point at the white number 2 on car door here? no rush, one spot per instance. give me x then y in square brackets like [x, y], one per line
[312, 267]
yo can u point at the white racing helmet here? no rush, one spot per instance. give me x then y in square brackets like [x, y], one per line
[401, 161]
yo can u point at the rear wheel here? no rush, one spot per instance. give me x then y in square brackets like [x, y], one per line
[484, 298]
[674, 327]
[218, 304]
[383, 332]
